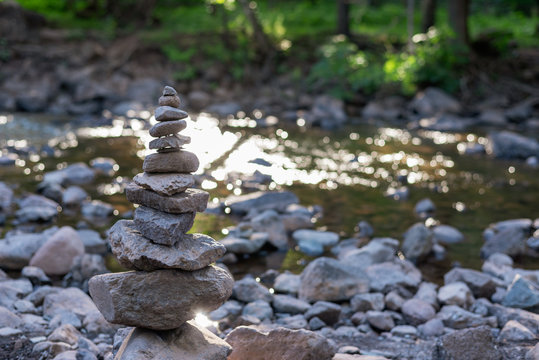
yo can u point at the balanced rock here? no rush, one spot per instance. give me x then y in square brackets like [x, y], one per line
[178, 161]
[165, 184]
[167, 128]
[169, 100]
[134, 251]
[160, 227]
[168, 113]
[173, 141]
[161, 299]
[188, 342]
[192, 200]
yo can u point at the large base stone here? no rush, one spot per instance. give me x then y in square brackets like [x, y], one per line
[161, 299]
[192, 200]
[188, 342]
[160, 227]
[134, 251]
[165, 184]
[179, 162]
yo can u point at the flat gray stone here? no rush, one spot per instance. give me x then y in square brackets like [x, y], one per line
[178, 162]
[162, 228]
[191, 200]
[165, 128]
[165, 184]
[172, 141]
[169, 100]
[168, 113]
[188, 342]
[134, 251]
[161, 299]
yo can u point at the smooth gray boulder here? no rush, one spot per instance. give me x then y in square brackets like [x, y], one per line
[192, 200]
[522, 294]
[161, 299]
[261, 201]
[509, 145]
[165, 184]
[331, 280]
[393, 275]
[482, 285]
[17, 250]
[238, 245]
[189, 252]
[417, 243]
[510, 240]
[160, 227]
[188, 342]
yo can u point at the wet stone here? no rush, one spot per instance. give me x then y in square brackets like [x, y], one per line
[175, 162]
[191, 200]
[168, 113]
[173, 141]
[167, 128]
[165, 184]
[162, 228]
[134, 251]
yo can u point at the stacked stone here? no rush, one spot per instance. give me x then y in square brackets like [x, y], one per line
[173, 278]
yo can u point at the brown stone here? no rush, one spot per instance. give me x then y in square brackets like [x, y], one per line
[278, 344]
[169, 113]
[176, 162]
[167, 128]
[161, 227]
[191, 200]
[173, 101]
[134, 251]
[165, 184]
[161, 299]
[188, 342]
[173, 141]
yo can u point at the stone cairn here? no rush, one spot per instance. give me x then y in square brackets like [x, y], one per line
[173, 278]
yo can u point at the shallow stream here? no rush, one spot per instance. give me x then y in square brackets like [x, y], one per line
[348, 172]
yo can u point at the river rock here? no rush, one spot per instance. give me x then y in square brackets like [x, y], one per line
[313, 242]
[72, 299]
[513, 331]
[416, 311]
[289, 304]
[261, 201]
[169, 100]
[161, 299]
[376, 251]
[331, 280]
[167, 128]
[326, 311]
[74, 174]
[434, 101]
[239, 245]
[168, 113]
[17, 250]
[173, 141]
[188, 342]
[457, 293]
[522, 294]
[96, 209]
[6, 197]
[93, 243]
[270, 223]
[445, 234]
[471, 344]
[510, 240]
[482, 285]
[287, 283]
[394, 275]
[189, 252]
[425, 207]
[380, 320]
[37, 208]
[74, 196]
[191, 200]
[417, 243]
[57, 253]
[104, 166]
[179, 162]
[258, 309]
[165, 184]
[365, 302]
[248, 290]
[278, 344]
[162, 228]
[9, 318]
[508, 145]
[456, 317]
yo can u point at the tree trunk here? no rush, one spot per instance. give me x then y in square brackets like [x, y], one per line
[343, 17]
[428, 14]
[458, 18]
